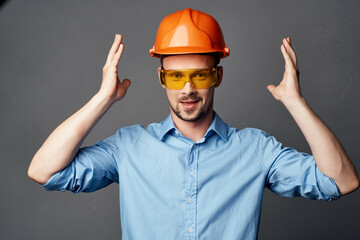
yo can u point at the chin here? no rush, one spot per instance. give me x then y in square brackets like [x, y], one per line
[191, 117]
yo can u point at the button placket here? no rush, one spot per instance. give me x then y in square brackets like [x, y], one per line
[191, 193]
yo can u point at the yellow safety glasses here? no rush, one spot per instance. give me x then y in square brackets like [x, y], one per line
[199, 78]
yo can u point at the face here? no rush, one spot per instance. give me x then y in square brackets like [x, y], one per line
[189, 103]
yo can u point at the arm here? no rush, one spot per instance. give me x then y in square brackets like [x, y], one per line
[329, 155]
[64, 142]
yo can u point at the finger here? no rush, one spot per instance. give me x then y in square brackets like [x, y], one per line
[289, 48]
[116, 58]
[288, 60]
[114, 48]
[290, 51]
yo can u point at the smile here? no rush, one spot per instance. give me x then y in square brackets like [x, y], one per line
[189, 105]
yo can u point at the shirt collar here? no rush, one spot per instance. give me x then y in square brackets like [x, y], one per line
[166, 126]
[218, 126]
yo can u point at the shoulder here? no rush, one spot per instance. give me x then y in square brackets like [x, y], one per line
[250, 137]
[129, 133]
[154, 128]
[138, 131]
[131, 130]
[247, 133]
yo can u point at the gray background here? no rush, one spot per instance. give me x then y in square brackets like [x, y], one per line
[51, 57]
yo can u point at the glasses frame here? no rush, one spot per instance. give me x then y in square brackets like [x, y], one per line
[163, 71]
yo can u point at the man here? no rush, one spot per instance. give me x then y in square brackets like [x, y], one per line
[192, 176]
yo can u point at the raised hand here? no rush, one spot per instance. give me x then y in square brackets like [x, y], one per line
[289, 88]
[62, 145]
[111, 86]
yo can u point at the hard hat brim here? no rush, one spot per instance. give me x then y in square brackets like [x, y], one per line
[187, 50]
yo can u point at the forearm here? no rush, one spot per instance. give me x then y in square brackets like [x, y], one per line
[63, 143]
[327, 150]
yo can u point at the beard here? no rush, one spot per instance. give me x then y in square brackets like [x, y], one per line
[186, 115]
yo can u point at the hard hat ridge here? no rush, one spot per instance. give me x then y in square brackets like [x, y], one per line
[189, 31]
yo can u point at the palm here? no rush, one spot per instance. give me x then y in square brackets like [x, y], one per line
[289, 87]
[111, 86]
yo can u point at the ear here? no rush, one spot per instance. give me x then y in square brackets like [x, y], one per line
[159, 70]
[219, 76]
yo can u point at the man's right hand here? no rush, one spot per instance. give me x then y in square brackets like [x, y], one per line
[111, 87]
[64, 142]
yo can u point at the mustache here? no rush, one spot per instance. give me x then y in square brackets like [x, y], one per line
[190, 97]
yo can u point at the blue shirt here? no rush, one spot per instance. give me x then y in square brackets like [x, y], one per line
[173, 188]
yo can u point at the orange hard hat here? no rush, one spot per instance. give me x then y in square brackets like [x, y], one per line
[189, 31]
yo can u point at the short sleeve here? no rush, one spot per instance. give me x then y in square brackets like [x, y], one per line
[292, 174]
[92, 168]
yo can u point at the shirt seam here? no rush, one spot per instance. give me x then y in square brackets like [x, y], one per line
[262, 155]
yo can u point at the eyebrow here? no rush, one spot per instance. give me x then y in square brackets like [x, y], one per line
[194, 69]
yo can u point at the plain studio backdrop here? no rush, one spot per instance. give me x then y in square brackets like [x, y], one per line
[51, 59]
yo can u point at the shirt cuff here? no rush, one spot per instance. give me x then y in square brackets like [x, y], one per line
[327, 186]
[57, 182]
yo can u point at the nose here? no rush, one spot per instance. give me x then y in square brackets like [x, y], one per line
[188, 89]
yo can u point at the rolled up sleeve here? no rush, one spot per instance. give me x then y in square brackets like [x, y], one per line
[292, 174]
[92, 168]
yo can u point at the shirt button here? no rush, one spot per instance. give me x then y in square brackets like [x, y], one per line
[190, 229]
[177, 132]
[191, 172]
[194, 146]
[190, 200]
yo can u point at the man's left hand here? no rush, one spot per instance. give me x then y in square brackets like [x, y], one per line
[289, 88]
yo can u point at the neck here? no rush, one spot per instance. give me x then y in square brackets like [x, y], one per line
[194, 130]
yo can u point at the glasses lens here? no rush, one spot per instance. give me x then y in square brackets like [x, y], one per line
[199, 78]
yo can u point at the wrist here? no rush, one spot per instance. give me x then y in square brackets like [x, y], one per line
[294, 103]
[103, 99]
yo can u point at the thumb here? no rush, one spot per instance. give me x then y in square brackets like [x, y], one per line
[271, 88]
[126, 83]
